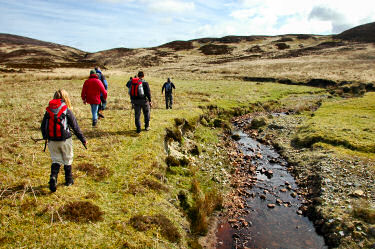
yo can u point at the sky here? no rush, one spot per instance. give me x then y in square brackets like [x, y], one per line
[95, 25]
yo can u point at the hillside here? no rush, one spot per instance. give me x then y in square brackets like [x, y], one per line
[362, 33]
[237, 56]
[22, 52]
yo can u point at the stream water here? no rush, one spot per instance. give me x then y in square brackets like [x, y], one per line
[278, 226]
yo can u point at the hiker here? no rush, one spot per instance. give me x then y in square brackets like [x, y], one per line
[140, 95]
[168, 93]
[91, 90]
[129, 83]
[103, 101]
[55, 127]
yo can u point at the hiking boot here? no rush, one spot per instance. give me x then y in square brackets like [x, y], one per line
[55, 168]
[147, 128]
[94, 122]
[100, 115]
[52, 183]
[138, 130]
[68, 175]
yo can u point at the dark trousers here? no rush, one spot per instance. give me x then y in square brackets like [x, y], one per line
[102, 104]
[141, 105]
[168, 100]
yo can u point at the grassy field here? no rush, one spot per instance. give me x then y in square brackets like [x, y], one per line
[346, 124]
[124, 195]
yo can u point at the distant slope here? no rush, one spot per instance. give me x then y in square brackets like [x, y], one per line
[362, 33]
[22, 52]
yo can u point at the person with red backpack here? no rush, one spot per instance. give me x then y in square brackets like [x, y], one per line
[140, 95]
[56, 124]
[91, 90]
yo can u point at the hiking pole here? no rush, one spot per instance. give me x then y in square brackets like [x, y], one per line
[41, 139]
[37, 139]
[45, 145]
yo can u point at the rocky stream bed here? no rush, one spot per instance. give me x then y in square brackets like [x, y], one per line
[282, 195]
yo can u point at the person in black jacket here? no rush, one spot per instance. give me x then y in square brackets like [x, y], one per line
[55, 127]
[141, 100]
[168, 93]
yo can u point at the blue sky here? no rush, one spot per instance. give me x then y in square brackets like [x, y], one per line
[94, 25]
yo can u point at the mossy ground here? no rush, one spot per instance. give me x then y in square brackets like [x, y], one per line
[31, 216]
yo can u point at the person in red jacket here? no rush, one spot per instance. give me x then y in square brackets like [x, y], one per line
[91, 90]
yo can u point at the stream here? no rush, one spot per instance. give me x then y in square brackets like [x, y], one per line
[272, 211]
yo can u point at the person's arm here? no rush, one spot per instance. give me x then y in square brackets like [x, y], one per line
[43, 125]
[147, 91]
[83, 93]
[162, 89]
[105, 82]
[102, 89]
[173, 86]
[72, 122]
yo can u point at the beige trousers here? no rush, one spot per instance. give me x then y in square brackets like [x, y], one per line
[61, 151]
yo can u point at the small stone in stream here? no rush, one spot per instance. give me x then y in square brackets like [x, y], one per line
[263, 197]
[294, 194]
[259, 156]
[283, 190]
[278, 201]
[289, 187]
[287, 183]
[245, 224]
[252, 195]
[269, 173]
[220, 243]
[286, 205]
[299, 212]
[232, 220]
[265, 191]
[271, 205]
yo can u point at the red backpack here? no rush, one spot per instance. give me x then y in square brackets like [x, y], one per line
[57, 122]
[136, 89]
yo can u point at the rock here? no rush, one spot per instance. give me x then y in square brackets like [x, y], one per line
[287, 183]
[283, 190]
[299, 212]
[294, 194]
[269, 173]
[263, 197]
[232, 220]
[358, 193]
[278, 201]
[271, 205]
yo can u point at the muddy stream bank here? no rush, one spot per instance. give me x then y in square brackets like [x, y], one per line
[267, 207]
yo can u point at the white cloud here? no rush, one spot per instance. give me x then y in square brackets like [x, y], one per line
[171, 6]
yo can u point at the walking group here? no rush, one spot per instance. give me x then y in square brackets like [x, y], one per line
[59, 122]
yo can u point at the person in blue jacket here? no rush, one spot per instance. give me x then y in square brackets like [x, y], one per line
[103, 102]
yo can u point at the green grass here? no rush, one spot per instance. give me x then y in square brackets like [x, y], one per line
[30, 216]
[345, 124]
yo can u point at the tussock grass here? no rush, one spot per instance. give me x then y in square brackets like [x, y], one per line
[167, 229]
[81, 211]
